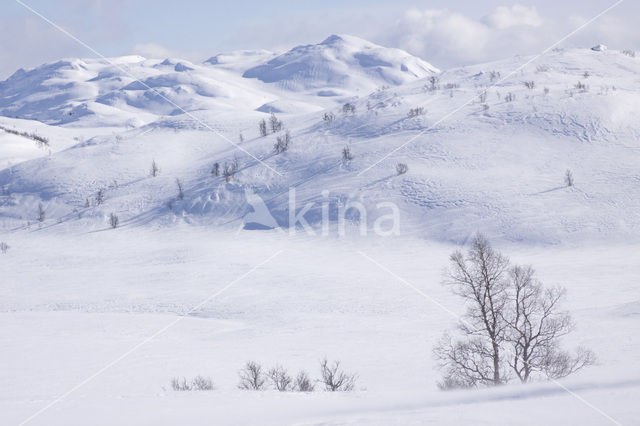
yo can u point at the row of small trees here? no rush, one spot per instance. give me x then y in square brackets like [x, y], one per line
[254, 377]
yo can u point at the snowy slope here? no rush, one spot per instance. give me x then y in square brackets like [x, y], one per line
[500, 169]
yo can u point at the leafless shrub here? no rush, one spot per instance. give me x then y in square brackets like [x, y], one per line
[154, 168]
[542, 68]
[230, 170]
[41, 213]
[303, 383]
[275, 124]
[180, 189]
[415, 112]
[99, 197]
[262, 128]
[630, 53]
[215, 170]
[41, 141]
[401, 168]
[198, 383]
[451, 86]
[580, 86]
[241, 137]
[433, 83]
[510, 97]
[329, 117]
[482, 96]
[4, 247]
[494, 76]
[530, 85]
[334, 379]
[114, 221]
[252, 377]
[346, 154]
[546, 91]
[568, 178]
[282, 143]
[348, 108]
[586, 74]
[485, 107]
[280, 379]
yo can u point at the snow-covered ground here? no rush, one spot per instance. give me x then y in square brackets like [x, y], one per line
[76, 295]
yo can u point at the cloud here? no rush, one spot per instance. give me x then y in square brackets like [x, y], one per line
[517, 15]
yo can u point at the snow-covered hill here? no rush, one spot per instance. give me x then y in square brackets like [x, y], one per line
[496, 164]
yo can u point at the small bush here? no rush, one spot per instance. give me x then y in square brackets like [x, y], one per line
[346, 154]
[99, 197]
[568, 178]
[581, 87]
[230, 170]
[282, 143]
[280, 379]
[630, 53]
[451, 86]
[494, 76]
[252, 377]
[262, 128]
[4, 247]
[328, 117]
[510, 97]
[275, 124]
[41, 214]
[348, 108]
[334, 379]
[198, 383]
[215, 170]
[530, 85]
[401, 168]
[303, 383]
[154, 168]
[114, 221]
[414, 112]
[180, 189]
[482, 96]
[586, 74]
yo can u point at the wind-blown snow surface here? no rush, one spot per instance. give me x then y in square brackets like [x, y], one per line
[76, 294]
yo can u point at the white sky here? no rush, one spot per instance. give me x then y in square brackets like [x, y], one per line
[445, 33]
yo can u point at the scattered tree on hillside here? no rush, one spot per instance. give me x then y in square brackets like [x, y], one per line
[41, 213]
[262, 127]
[114, 221]
[180, 189]
[4, 247]
[401, 168]
[530, 85]
[154, 168]
[348, 108]
[415, 112]
[282, 143]
[335, 379]
[346, 154]
[280, 379]
[329, 117]
[215, 170]
[275, 124]
[100, 197]
[568, 178]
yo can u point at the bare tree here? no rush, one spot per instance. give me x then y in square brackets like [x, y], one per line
[114, 221]
[530, 85]
[241, 137]
[198, 383]
[283, 143]
[348, 108]
[262, 127]
[433, 83]
[510, 97]
[4, 247]
[154, 168]
[401, 168]
[415, 112]
[346, 154]
[275, 124]
[180, 189]
[303, 383]
[215, 170]
[100, 197]
[41, 214]
[335, 379]
[252, 377]
[568, 178]
[535, 327]
[280, 379]
[480, 278]
[230, 170]
[329, 117]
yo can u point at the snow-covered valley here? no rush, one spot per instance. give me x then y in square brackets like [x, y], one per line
[98, 316]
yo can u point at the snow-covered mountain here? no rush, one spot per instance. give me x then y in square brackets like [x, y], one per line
[341, 62]
[497, 162]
